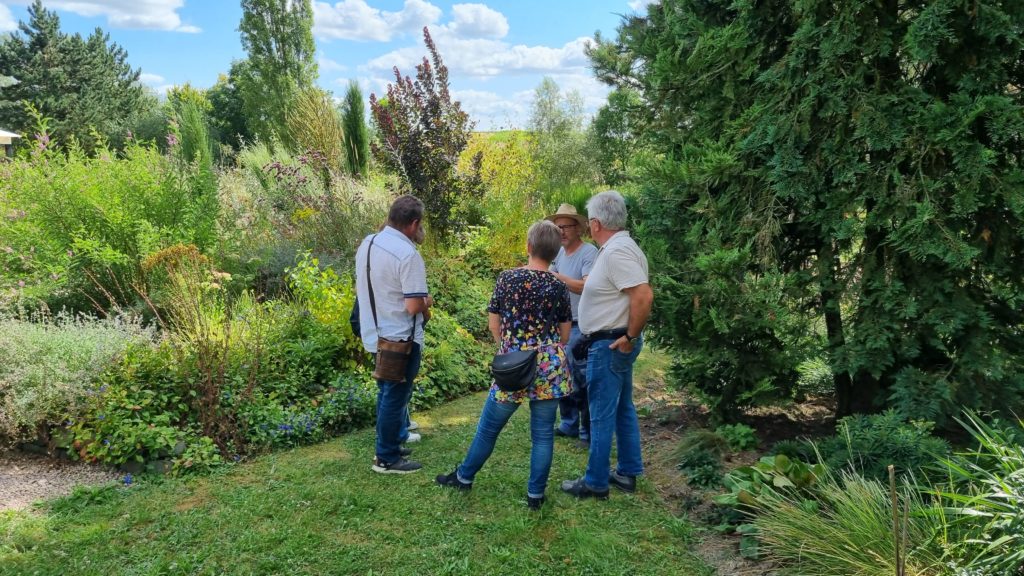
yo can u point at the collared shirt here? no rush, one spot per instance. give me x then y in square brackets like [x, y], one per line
[620, 265]
[576, 266]
[397, 272]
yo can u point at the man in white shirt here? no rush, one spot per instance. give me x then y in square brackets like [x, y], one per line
[399, 308]
[614, 307]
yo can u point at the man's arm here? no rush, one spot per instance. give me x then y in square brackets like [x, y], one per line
[640, 299]
[419, 305]
[575, 286]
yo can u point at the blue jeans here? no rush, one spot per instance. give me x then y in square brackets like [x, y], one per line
[573, 408]
[542, 436]
[610, 386]
[392, 410]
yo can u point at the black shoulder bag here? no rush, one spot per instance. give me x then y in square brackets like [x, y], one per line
[516, 370]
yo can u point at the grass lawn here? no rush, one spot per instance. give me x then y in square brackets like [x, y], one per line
[321, 510]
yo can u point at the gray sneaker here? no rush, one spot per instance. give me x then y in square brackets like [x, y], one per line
[400, 466]
[622, 482]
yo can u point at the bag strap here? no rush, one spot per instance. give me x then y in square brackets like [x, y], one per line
[373, 301]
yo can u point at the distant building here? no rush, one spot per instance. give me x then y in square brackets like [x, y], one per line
[7, 141]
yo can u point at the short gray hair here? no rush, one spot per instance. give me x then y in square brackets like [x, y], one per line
[544, 239]
[609, 207]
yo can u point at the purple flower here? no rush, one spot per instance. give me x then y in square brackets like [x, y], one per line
[127, 479]
[172, 140]
[21, 283]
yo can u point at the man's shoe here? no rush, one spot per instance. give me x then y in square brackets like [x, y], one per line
[622, 482]
[452, 481]
[583, 444]
[564, 434]
[413, 425]
[400, 466]
[413, 438]
[534, 503]
[404, 452]
[579, 489]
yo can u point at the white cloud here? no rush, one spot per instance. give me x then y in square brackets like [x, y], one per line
[639, 5]
[151, 79]
[477, 21]
[132, 14]
[488, 58]
[325, 64]
[7, 21]
[356, 20]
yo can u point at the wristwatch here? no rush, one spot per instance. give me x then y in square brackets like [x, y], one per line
[631, 338]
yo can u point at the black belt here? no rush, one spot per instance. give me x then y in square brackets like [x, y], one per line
[607, 334]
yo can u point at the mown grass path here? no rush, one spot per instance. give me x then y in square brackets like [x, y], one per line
[321, 510]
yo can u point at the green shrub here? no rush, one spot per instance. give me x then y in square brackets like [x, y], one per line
[462, 292]
[814, 379]
[82, 225]
[738, 436]
[869, 444]
[49, 366]
[454, 363]
[699, 456]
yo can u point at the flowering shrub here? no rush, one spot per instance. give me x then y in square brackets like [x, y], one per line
[48, 367]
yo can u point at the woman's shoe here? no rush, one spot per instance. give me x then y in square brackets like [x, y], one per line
[452, 481]
[534, 503]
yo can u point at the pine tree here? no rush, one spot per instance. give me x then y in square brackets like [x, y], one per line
[278, 37]
[83, 85]
[854, 166]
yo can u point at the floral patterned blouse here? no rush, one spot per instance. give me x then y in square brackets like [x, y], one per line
[531, 304]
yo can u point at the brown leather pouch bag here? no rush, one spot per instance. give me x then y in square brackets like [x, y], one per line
[392, 359]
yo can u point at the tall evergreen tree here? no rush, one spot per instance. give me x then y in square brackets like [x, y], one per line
[855, 166]
[357, 136]
[82, 84]
[278, 36]
[228, 106]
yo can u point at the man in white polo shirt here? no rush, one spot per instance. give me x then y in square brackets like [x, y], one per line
[400, 307]
[614, 307]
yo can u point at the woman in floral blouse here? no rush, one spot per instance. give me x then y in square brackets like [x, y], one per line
[529, 309]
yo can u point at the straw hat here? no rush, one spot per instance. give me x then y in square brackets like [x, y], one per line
[568, 211]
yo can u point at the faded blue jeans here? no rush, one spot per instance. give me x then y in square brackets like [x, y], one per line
[542, 436]
[610, 387]
[392, 410]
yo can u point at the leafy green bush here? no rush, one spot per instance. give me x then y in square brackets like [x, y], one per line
[48, 367]
[739, 436]
[699, 456]
[459, 290]
[869, 444]
[81, 225]
[454, 363]
[815, 379]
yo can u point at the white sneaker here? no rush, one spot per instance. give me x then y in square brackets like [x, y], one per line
[413, 425]
[413, 438]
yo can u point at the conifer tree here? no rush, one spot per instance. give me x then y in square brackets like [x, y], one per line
[357, 136]
[847, 170]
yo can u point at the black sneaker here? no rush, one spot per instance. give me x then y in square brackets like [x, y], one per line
[452, 481]
[400, 466]
[534, 503]
[564, 434]
[622, 482]
[579, 489]
[404, 452]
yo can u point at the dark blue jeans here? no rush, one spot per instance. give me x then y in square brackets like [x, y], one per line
[610, 387]
[392, 410]
[574, 409]
[542, 435]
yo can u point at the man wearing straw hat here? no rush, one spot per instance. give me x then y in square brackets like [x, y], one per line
[571, 266]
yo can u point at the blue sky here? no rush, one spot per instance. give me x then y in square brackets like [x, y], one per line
[497, 52]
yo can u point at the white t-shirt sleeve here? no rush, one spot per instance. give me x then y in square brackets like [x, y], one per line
[413, 274]
[625, 270]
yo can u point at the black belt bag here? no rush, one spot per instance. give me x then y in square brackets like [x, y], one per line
[581, 349]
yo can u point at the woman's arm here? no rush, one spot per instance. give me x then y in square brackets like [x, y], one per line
[494, 325]
[565, 332]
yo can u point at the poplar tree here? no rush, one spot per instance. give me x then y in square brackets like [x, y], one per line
[278, 37]
[357, 136]
[849, 171]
